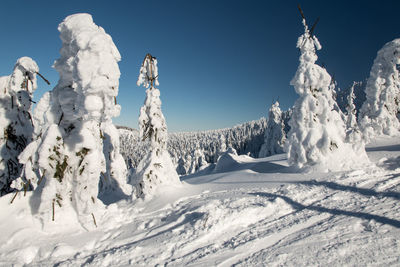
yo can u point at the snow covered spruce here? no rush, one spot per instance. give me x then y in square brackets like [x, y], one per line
[156, 168]
[380, 112]
[317, 135]
[15, 120]
[275, 136]
[76, 144]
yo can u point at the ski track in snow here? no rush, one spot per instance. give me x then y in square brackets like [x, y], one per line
[238, 218]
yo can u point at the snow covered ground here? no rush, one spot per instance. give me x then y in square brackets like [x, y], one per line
[256, 212]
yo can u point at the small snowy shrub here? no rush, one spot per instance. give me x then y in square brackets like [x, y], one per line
[380, 113]
[16, 124]
[156, 168]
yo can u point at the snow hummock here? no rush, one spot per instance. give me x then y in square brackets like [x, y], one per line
[379, 114]
[317, 135]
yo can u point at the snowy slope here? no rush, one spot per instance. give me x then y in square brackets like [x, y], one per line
[259, 212]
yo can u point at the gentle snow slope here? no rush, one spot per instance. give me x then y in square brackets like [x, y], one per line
[260, 213]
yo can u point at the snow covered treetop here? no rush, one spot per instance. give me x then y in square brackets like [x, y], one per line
[148, 72]
[390, 52]
[310, 77]
[95, 66]
[308, 44]
[89, 66]
[24, 70]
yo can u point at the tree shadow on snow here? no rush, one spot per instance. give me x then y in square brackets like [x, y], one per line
[391, 164]
[190, 217]
[383, 148]
[358, 190]
[362, 215]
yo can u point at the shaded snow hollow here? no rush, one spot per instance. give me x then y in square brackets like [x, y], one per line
[259, 212]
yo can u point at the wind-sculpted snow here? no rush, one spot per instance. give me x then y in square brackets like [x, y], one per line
[260, 212]
[192, 147]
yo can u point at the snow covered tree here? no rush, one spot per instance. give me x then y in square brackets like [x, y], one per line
[198, 160]
[77, 144]
[317, 135]
[274, 137]
[380, 113]
[221, 148]
[156, 168]
[353, 134]
[15, 119]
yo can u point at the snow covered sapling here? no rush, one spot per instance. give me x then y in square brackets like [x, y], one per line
[274, 137]
[317, 135]
[78, 144]
[380, 112]
[16, 125]
[156, 168]
[353, 134]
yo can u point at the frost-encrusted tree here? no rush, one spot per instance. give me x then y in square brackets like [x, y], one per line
[317, 135]
[274, 137]
[380, 112]
[78, 145]
[15, 119]
[353, 134]
[198, 160]
[156, 168]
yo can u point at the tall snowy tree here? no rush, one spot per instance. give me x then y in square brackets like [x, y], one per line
[353, 134]
[274, 137]
[78, 145]
[156, 168]
[380, 112]
[317, 135]
[15, 119]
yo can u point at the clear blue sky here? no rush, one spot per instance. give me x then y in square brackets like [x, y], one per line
[220, 62]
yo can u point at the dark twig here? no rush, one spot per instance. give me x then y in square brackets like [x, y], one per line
[44, 79]
[313, 27]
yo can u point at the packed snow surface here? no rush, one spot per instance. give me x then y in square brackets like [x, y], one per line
[257, 212]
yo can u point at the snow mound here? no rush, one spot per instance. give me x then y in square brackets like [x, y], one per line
[228, 161]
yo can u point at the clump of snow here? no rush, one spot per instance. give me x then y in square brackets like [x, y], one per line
[77, 145]
[275, 136]
[16, 121]
[228, 161]
[317, 135]
[379, 114]
[156, 168]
